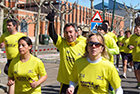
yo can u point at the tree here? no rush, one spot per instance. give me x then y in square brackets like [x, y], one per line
[63, 11]
[132, 11]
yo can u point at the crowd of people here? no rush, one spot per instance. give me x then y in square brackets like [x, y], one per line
[86, 64]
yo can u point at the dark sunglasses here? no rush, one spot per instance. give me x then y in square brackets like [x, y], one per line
[97, 44]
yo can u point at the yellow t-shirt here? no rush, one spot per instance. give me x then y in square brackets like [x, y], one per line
[25, 72]
[135, 41]
[112, 46]
[121, 48]
[94, 78]
[125, 44]
[111, 34]
[68, 55]
[82, 38]
[11, 43]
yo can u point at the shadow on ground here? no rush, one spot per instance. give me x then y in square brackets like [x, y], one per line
[49, 89]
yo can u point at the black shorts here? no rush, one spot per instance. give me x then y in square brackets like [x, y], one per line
[136, 65]
[64, 88]
[128, 57]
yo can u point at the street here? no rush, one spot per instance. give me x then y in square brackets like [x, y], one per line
[51, 85]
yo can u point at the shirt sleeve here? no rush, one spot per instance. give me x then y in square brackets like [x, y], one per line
[114, 78]
[41, 69]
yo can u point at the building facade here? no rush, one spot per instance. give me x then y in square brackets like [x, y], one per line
[80, 15]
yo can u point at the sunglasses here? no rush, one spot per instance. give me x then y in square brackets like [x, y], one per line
[97, 44]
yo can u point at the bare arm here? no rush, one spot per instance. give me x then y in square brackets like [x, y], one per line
[40, 81]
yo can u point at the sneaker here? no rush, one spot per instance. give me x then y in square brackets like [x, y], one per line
[112, 92]
[129, 69]
[138, 86]
[122, 76]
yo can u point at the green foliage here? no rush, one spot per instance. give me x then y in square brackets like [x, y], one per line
[4, 25]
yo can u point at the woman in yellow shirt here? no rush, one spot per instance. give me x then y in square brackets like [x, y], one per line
[27, 71]
[93, 72]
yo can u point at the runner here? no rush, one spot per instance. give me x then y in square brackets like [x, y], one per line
[121, 48]
[80, 37]
[27, 71]
[134, 44]
[127, 53]
[70, 50]
[94, 72]
[10, 41]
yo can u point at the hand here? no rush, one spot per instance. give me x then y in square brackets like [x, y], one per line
[131, 47]
[2, 45]
[51, 16]
[10, 83]
[34, 84]
[70, 90]
[121, 44]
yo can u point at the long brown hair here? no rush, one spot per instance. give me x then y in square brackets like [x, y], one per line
[101, 39]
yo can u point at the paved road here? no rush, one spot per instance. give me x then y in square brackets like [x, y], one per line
[51, 85]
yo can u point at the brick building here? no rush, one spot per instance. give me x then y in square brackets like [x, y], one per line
[78, 16]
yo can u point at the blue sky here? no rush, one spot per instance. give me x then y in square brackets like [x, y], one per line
[127, 2]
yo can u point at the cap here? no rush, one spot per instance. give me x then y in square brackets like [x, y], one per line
[103, 26]
[137, 21]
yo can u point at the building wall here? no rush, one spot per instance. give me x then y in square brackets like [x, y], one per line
[79, 16]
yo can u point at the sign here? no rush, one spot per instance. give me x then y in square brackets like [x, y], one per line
[95, 21]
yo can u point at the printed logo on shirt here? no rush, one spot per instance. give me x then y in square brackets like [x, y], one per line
[71, 59]
[100, 77]
[89, 84]
[10, 45]
[79, 54]
[81, 75]
[16, 72]
[30, 71]
[21, 78]
[68, 51]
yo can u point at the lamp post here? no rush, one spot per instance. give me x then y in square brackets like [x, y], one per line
[103, 10]
[113, 15]
[92, 8]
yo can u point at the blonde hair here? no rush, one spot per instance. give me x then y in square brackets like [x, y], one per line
[105, 53]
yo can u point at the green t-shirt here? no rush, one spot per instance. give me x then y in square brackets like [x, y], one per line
[25, 72]
[68, 55]
[94, 78]
[121, 48]
[113, 36]
[125, 44]
[135, 41]
[11, 43]
[112, 46]
[82, 38]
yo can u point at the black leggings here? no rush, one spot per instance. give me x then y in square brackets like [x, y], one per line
[7, 66]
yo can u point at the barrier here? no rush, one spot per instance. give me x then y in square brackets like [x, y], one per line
[39, 50]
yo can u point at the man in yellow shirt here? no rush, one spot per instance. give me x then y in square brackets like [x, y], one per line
[79, 36]
[10, 40]
[109, 32]
[134, 44]
[121, 48]
[70, 50]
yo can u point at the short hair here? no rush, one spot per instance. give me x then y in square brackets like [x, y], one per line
[137, 21]
[79, 27]
[128, 31]
[71, 24]
[105, 21]
[14, 22]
